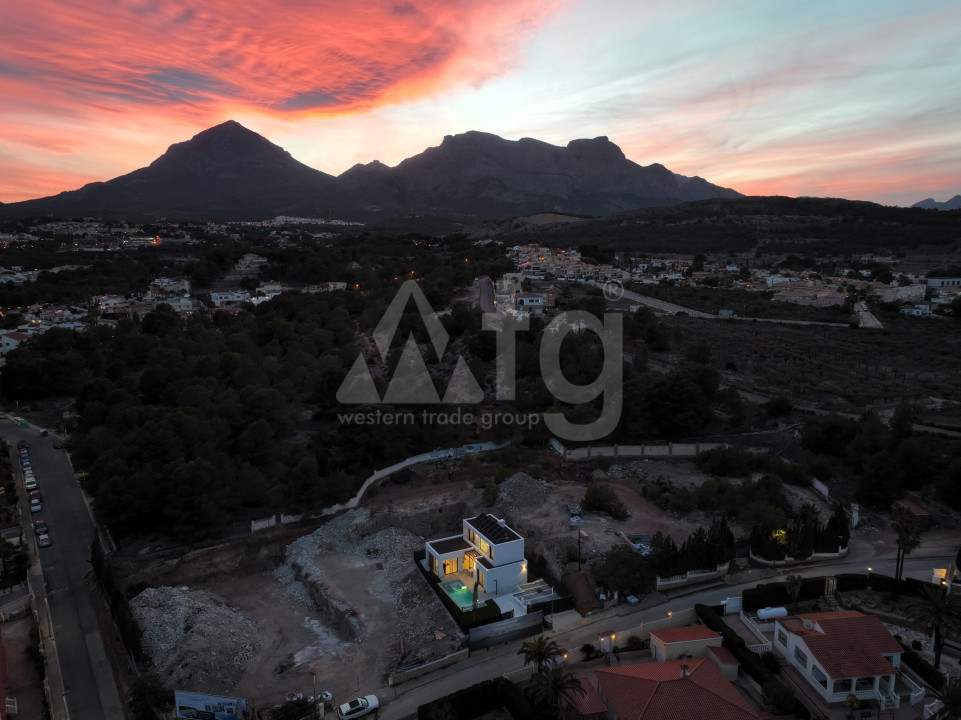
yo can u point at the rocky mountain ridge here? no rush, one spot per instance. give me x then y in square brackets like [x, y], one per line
[231, 173]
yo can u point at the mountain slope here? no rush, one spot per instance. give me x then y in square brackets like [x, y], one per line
[226, 171]
[932, 204]
[231, 173]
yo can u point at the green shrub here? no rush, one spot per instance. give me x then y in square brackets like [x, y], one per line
[601, 498]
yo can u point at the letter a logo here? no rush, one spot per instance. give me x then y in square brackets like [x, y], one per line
[411, 383]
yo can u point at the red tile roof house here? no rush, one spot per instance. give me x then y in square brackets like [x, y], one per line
[11, 340]
[839, 653]
[691, 689]
[487, 550]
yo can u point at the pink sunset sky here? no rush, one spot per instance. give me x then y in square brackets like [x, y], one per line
[860, 99]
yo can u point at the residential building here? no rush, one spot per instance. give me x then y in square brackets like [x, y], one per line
[692, 688]
[689, 641]
[490, 552]
[222, 299]
[940, 282]
[842, 653]
[919, 310]
[11, 340]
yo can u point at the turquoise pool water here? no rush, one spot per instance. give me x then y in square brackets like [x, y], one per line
[459, 593]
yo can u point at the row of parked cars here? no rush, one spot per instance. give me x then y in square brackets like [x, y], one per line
[34, 498]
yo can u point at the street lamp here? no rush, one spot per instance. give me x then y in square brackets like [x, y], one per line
[670, 618]
[869, 577]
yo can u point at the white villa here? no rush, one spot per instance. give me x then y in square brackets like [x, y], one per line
[488, 551]
[845, 652]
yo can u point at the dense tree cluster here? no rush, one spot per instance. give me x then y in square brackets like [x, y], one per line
[885, 458]
[186, 425]
[626, 570]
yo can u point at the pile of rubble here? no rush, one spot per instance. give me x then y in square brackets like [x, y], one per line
[195, 640]
[519, 494]
[399, 583]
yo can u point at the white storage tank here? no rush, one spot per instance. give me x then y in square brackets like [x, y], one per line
[770, 613]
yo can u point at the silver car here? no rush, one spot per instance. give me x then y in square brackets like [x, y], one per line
[358, 707]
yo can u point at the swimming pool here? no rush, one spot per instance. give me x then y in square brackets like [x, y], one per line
[459, 593]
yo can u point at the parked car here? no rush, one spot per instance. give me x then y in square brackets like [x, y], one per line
[39, 526]
[27, 465]
[43, 432]
[358, 707]
[35, 505]
[43, 540]
[34, 494]
[23, 444]
[57, 444]
[30, 483]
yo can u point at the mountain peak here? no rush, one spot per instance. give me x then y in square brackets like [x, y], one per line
[932, 204]
[228, 145]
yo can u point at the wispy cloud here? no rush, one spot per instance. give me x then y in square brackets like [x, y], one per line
[856, 99]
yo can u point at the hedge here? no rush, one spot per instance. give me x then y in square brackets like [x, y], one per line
[776, 594]
[925, 670]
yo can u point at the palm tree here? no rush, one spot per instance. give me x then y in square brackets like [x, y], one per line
[792, 583]
[554, 685]
[950, 697]
[852, 703]
[540, 650]
[938, 612]
[905, 524]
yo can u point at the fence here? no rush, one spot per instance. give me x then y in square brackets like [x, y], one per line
[667, 450]
[504, 631]
[691, 576]
[760, 648]
[262, 524]
[410, 672]
[672, 618]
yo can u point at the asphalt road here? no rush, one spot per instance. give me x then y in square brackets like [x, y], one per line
[90, 690]
[572, 631]
[486, 301]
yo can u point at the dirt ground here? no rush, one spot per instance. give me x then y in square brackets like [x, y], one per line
[299, 649]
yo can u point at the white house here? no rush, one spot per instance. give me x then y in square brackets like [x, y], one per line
[11, 340]
[918, 310]
[939, 282]
[845, 652]
[222, 299]
[108, 302]
[532, 302]
[487, 550]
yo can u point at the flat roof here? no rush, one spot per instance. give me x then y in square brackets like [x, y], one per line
[446, 546]
[685, 634]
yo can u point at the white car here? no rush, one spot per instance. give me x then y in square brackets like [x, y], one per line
[35, 505]
[43, 540]
[358, 707]
[30, 483]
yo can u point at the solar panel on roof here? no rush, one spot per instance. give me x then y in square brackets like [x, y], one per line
[491, 528]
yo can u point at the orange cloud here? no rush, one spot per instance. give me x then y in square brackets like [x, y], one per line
[320, 57]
